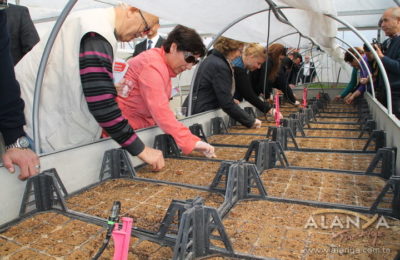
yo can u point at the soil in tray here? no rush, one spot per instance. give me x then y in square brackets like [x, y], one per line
[339, 110]
[331, 133]
[224, 153]
[233, 139]
[245, 130]
[344, 115]
[334, 161]
[315, 143]
[308, 132]
[325, 187]
[334, 126]
[337, 120]
[145, 202]
[48, 236]
[191, 172]
[281, 230]
[332, 143]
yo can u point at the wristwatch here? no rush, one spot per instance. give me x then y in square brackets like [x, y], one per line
[22, 143]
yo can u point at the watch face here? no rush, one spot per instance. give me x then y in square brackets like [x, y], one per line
[23, 142]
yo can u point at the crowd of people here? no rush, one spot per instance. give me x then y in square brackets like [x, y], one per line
[366, 72]
[80, 104]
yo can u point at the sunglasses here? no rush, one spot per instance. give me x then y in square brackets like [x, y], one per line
[190, 58]
[146, 29]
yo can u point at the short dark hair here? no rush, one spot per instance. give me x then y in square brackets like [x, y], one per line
[349, 57]
[297, 55]
[186, 39]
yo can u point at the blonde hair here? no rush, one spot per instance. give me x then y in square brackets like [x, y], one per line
[227, 45]
[255, 50]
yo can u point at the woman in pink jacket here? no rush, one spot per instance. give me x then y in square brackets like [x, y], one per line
[150, 73]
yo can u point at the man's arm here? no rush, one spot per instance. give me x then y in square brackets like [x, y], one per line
[95, 62]
[28, 34]
[11, 111]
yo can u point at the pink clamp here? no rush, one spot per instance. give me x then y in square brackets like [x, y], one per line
[277, 111]
[121, 239]
[305, 91]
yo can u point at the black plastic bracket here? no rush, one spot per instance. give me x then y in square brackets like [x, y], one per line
[197, 130]
[44, 191]
[314, 107]
[380, 140]
[368, 127]
[293, 124]
[281, 134]
[167, 145]
[238, 180]
[266, 153]
[199, 226]
[392, 186]
[300, 117]
[218, 126]
[308, 115]
[116, 164]
[387, 157]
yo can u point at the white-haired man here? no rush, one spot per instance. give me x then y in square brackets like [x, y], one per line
[78, 92]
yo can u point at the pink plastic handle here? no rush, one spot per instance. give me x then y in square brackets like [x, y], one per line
[277, 111]
[121, 239]
[305, 92]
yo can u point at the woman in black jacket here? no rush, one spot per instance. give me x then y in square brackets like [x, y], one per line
[252, 59]
[277, 74]
[214, 84]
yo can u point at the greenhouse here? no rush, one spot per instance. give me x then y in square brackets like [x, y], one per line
[314, 175]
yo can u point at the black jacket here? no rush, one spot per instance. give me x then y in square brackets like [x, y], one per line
[281, 81]
[244, 89]
[23, 34]
[391, 62]
[212, 89]
[11, 105]
[142, 46]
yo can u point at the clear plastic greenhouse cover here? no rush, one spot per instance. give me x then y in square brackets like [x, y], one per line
[211, 16]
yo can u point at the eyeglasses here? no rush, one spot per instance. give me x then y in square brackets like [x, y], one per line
[190, 58]
[146, 29]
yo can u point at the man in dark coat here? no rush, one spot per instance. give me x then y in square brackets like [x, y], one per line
[308, 70]
[23, 34]
[390, 57]
[12, 117]
[154, 40]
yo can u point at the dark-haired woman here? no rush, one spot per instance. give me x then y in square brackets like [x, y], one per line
[147, 103]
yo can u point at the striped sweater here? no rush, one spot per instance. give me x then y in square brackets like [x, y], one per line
[95, 63]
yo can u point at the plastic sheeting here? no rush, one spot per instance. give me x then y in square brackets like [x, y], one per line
[211, 16]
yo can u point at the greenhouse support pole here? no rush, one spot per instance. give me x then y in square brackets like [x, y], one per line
[190, 96]
[363, 61]
[378, 60]
[42, 69]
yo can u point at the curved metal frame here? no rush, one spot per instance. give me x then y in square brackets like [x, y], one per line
[378, 61]
[369, 73]
[189, 112]
[277, 13]
[42, 69]
[312, 60]
[283, 36]
[363, 61]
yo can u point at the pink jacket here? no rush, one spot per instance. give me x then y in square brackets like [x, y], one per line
[148, 102]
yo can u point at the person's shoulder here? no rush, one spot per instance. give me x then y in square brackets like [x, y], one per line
[14, 9]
